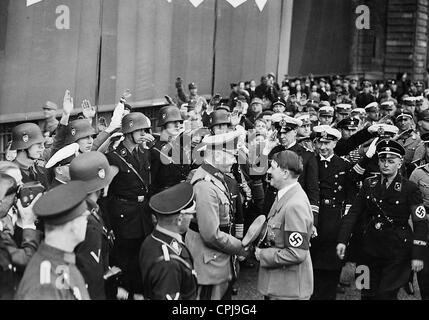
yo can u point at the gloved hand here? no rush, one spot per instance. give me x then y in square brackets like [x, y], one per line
[116, 121]
[372, 148]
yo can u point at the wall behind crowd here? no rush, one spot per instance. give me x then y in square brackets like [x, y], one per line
[146, 44]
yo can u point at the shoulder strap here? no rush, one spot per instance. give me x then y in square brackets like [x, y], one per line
[129, 165]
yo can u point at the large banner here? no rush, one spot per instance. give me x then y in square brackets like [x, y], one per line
[99, 48]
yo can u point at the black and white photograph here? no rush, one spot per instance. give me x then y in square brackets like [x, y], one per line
[219, 153]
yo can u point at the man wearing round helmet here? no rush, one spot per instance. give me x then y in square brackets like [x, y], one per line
[389, 247]
[168, 167]
[81, 132]
[92, 255]
[128, 214]
[28, 141]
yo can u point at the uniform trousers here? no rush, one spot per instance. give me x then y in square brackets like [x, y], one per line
[125, 255]
[325, 284]
[221, 291]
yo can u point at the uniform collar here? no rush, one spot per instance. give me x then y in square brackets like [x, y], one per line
[213, 171]
[171, 234]
[57, 254]
[283, 191]
[328, 158]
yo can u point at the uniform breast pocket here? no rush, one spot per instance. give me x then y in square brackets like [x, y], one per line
[275, 234]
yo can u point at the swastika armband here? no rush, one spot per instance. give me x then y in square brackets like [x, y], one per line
[419, 213]
[297, 240]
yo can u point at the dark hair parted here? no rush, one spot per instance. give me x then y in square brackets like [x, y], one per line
[289, 160]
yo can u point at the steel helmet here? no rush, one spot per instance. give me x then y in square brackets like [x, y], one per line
[79, 129]
[169, 114]
[94, 169]
[135, 121]
[26, 135]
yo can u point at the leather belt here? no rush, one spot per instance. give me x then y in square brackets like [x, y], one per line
[194, 227]
[331, 203]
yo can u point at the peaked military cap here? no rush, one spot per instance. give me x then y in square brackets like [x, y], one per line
[63, 156]
[50, 106]
[382, 129]
[343, 108]
[372, 107]
[390, 147]
[284, 123]
[387, 105]
[326, 133]
[62, 204]
[326, 111]
[173, 200]
[348, 124]
[403, 114]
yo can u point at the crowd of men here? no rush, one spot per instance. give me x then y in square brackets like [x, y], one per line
[297, 179]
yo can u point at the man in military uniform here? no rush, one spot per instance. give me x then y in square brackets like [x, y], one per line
[286, 271]
[58, 165]
[168, 167]
[407, 137]
[28, 141]
[342, 111]
[209, 238]
[128, 213]
[326, 115]
[52, 273]
[286, 134]
[199, 101]
[420, 176]
[92, 255]
[337, 184]
[387, 108]
[390, 248]
[304, 131]
[81, 132]
[50, 123]
[165, 261]
[372, 114]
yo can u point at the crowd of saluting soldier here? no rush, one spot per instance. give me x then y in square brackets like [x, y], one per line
[297, 179]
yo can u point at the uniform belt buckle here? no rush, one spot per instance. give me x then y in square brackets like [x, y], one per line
[140, 198]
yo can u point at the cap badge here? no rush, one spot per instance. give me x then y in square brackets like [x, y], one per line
[324, 134]
[25, 138]
[283, 123]
[164, 116]
[387, 149]
[381, 131]
[131, 124]
[73, 132]
[102, 174]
